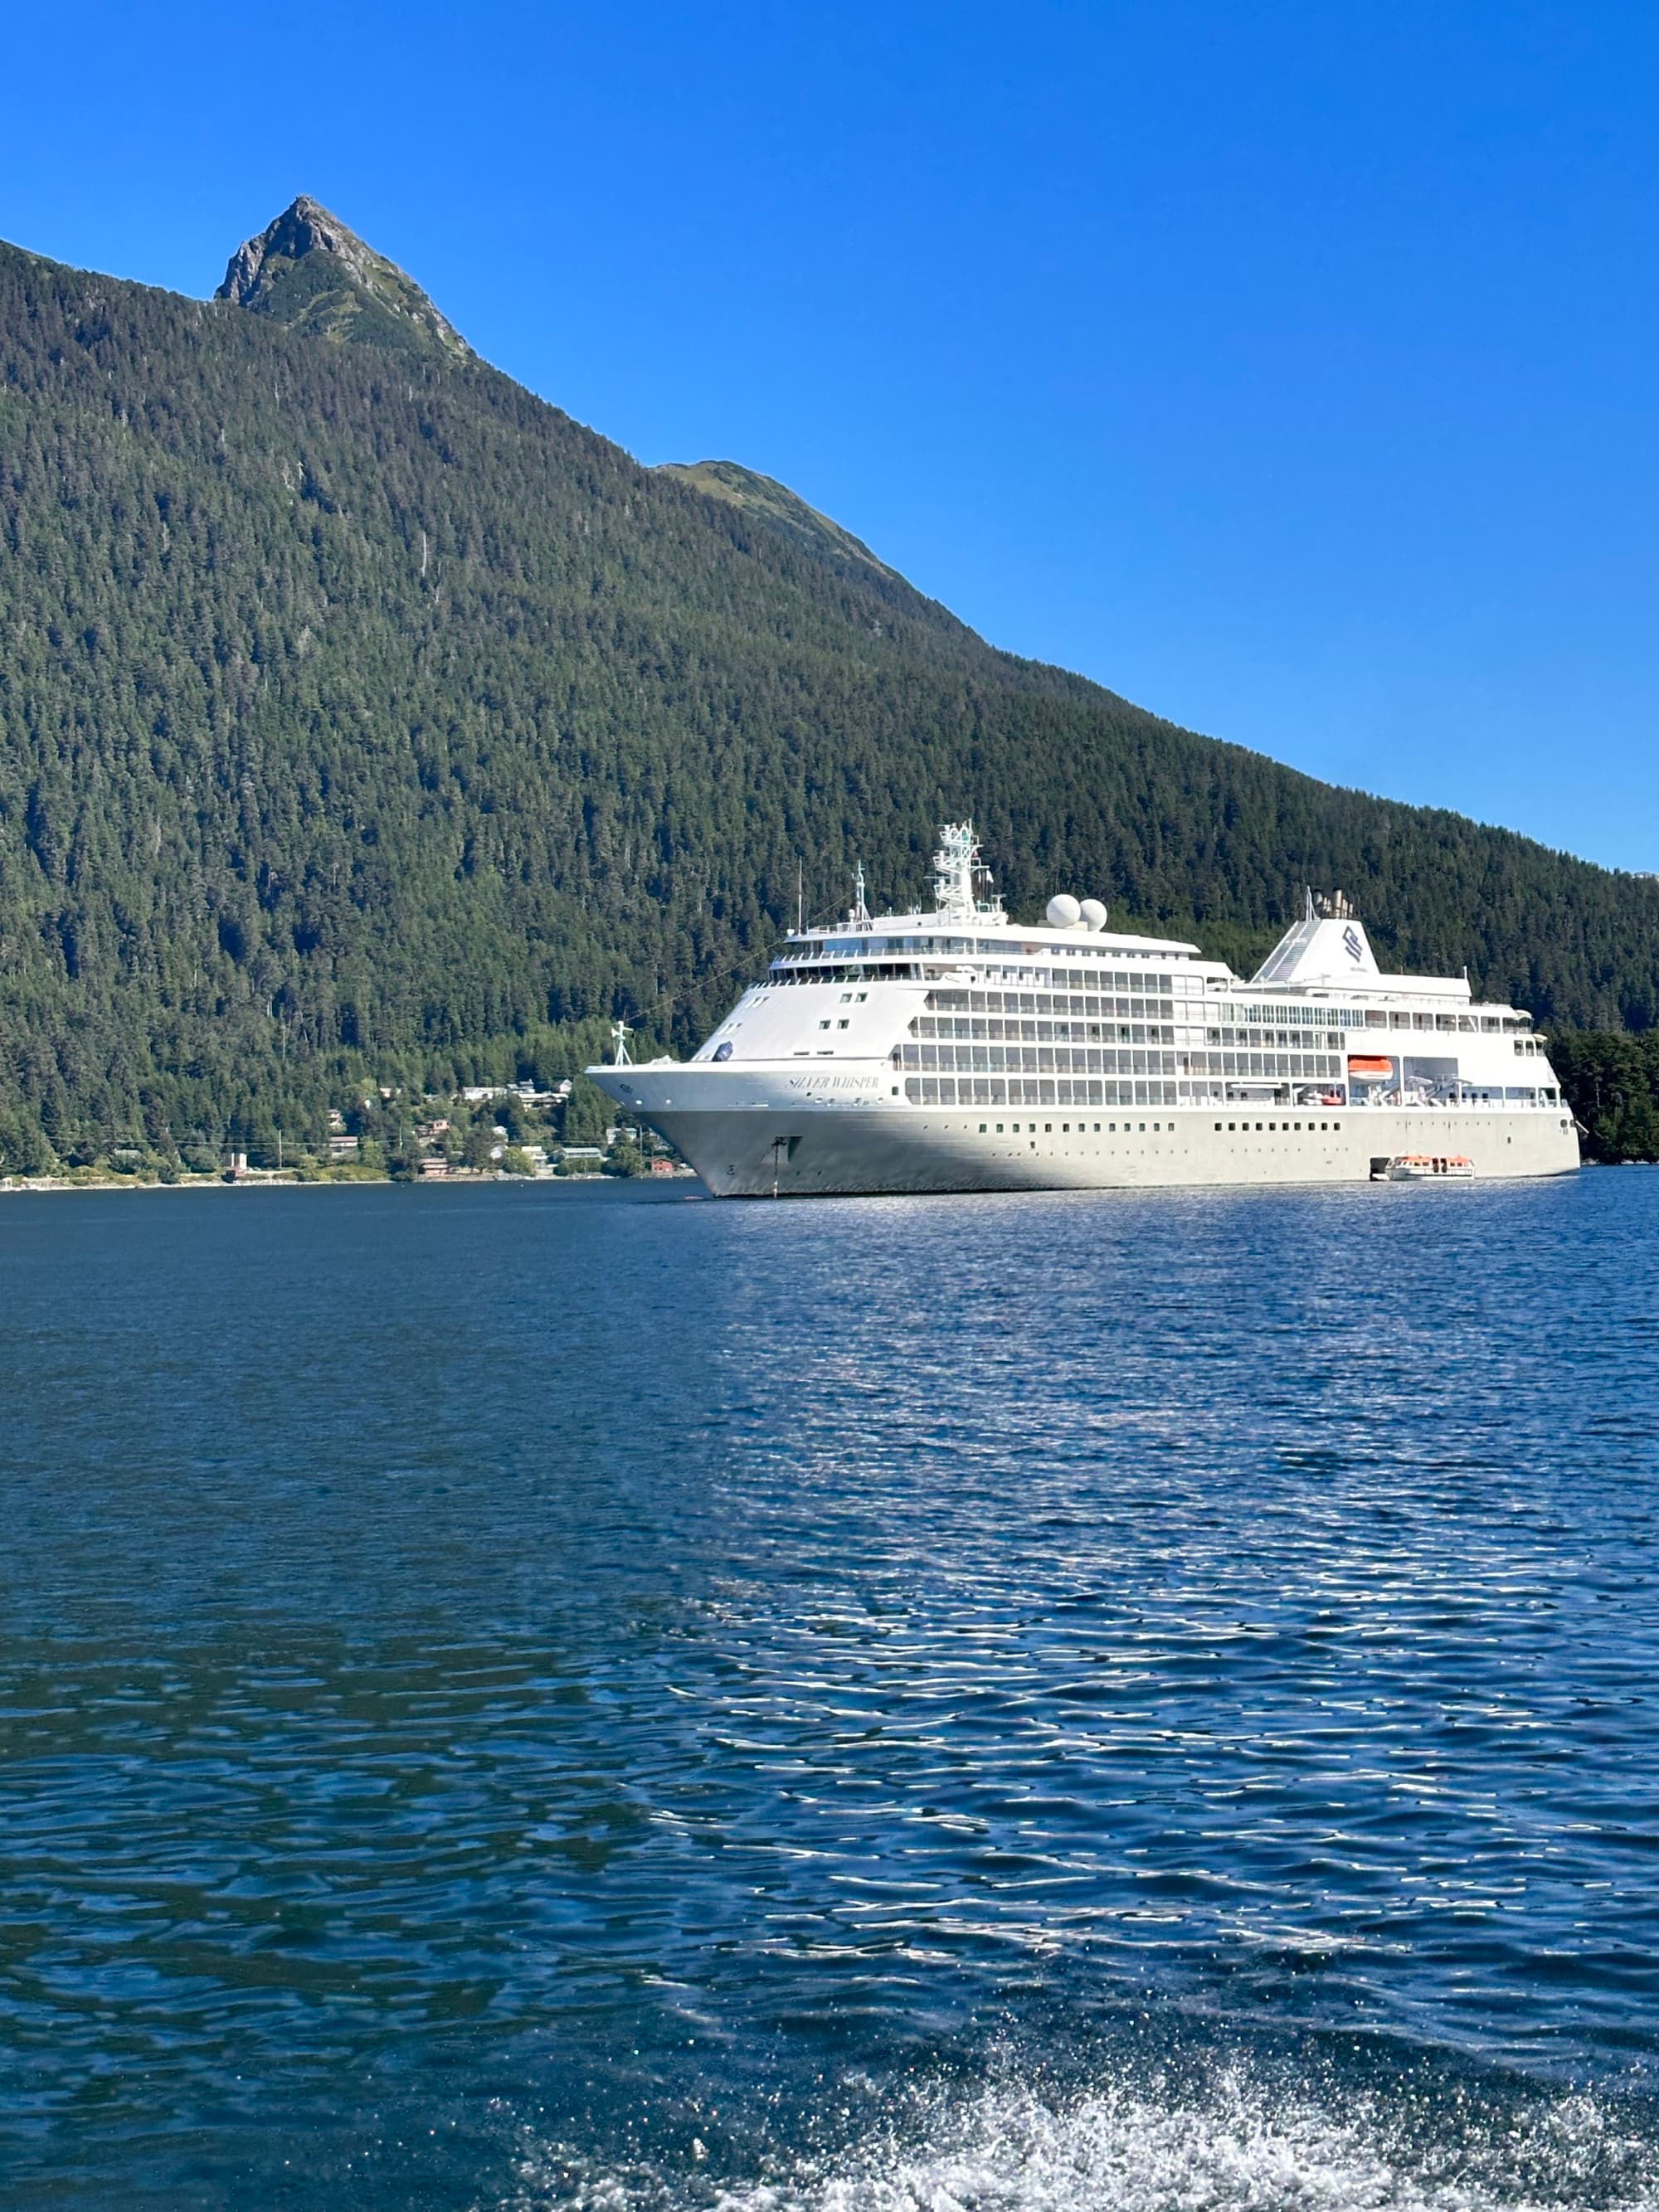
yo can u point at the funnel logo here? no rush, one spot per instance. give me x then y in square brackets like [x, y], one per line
[1355, 950]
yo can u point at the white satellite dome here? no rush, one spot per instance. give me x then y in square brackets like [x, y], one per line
[1064, 911]
[1093, 914]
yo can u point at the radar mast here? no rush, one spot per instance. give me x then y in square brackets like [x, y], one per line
[858, 913]
[959, 875]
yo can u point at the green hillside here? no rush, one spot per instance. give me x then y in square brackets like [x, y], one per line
[362, 714]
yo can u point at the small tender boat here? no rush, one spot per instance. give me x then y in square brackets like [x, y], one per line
[1422, 1167]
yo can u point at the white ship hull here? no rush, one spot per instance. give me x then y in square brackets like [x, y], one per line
[771, 1142]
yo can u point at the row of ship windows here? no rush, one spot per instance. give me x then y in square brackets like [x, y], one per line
[931, 1091]
[1045, 1032]
[1071, 1059]
[776, 978]
[1039, 980]
[1023, 1090]
[1139, 1129]
[1047, 982]
[1260, 1063]
[958, 1025]
[1253, 1030]
[1050, 1002]
[1117, 979]
[1284, 1040]
[1375, 1017]
[1252, 1018]
[1034, 1060]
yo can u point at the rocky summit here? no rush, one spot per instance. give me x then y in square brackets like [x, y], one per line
[308, 270]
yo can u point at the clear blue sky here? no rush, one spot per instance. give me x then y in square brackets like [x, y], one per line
[1290, 368]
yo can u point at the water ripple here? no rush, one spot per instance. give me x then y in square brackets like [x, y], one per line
[489, 1679]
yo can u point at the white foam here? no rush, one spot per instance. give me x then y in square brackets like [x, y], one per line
[1243, 2147]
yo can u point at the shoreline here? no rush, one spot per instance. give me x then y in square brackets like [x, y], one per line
[278, 1179]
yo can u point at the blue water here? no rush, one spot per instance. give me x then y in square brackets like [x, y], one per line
[519, 1698]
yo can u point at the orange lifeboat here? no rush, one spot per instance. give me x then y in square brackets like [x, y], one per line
[1365, 1068]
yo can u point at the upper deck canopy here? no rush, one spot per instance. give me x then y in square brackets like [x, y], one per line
[945, 933]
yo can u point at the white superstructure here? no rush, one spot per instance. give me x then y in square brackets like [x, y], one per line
[958, 1050]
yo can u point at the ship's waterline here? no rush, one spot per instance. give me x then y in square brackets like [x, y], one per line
[957, 1051]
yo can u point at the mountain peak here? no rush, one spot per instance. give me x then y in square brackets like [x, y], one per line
[309, 270]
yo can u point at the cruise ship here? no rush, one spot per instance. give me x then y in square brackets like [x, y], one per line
[957, 1051]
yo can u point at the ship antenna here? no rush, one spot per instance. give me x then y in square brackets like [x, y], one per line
[861, 915]
[957, 874]
[620, 1033]
[801, 898]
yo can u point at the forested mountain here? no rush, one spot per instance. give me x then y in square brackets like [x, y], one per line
[363, 716]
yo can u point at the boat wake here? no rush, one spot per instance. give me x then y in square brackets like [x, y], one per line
[1243, 2145]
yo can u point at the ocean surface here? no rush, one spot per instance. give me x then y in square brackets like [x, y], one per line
[543, 1697]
